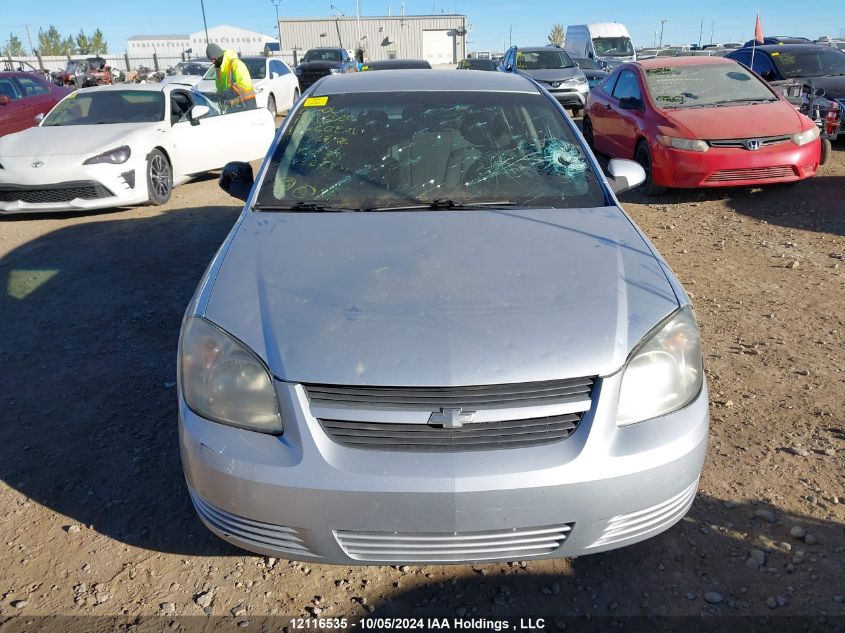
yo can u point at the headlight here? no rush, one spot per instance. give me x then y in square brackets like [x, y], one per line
[664, 373]
[224, 381]
[114, 156]
[689, 144]
[579, 80]
[808, 136]
[334, 71]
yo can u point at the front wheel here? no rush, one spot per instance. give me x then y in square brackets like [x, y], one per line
[159, 177]
[643, 156]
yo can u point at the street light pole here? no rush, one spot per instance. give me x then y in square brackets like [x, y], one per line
[204, 23]
[662, 22]
[28, 37]
[276, 4]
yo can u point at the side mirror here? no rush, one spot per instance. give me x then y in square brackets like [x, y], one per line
[236, 179]
[197, 112]
[630, 103]
[624, 175]
[5, 100]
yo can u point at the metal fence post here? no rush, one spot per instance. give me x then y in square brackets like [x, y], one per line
[155, 61]
[126, 58]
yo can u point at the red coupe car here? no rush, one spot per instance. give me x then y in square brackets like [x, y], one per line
[23, 96]
[700, 122]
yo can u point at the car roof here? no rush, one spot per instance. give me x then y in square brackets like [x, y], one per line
[531, 49]
[768, 48]
[690, 60]
[424, 80]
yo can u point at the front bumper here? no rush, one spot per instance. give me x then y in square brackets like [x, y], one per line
[302, 496]
[24, 189]
[730, 167]
[571, 96]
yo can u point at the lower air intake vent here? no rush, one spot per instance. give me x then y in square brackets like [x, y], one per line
[514, 544]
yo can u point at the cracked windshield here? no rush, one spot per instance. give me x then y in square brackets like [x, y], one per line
[363, 152]
[704, 86]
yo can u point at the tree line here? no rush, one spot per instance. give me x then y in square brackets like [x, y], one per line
[51, 42]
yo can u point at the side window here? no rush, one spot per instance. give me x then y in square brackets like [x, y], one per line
[762, 65]
[607, 84]
[9, 88]
[627, 86]
[31, 87]
[180, 104]
[279, 68]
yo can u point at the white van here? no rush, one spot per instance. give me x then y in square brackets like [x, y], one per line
[607, 43]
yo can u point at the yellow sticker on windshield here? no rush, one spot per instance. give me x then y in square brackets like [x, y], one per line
[775, 54]
[315, 102]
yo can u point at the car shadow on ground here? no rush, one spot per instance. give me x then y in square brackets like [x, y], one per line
[700, 566]
[90, 321]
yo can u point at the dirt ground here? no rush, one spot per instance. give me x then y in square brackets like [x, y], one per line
[95, 517]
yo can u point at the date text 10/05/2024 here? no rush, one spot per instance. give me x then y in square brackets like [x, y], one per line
[417, 624]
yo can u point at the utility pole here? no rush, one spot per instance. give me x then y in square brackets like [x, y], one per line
[29, 37]
[204, 23]
[700, 31]
[712, 29]
[654, 33]
[276, 4]
[662, 22]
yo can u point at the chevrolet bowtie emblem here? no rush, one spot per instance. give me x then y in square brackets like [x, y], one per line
[451, 418]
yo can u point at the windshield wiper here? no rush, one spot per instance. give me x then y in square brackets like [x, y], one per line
[441, 204]
[744, 100]
[303, 207]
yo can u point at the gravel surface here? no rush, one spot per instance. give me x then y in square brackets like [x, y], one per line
[95, 517]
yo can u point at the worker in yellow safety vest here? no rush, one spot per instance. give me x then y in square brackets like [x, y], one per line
[233, 83]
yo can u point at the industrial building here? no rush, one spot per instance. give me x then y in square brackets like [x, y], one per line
[172, 46]
[441, 39]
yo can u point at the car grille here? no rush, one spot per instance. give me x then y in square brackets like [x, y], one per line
[740, 142]
[62, 192]
[309, 77]
[451, 418]
[424, 398]
[513, 544]
[471, 436]
[648, 520]
[268, 536]
[753, 173]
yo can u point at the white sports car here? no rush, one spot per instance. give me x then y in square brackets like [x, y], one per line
[276, 86]
[126, 144]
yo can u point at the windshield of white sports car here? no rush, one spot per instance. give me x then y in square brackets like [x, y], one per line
[428, 150]
[99, 107]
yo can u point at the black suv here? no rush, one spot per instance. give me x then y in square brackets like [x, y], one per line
[319, 62]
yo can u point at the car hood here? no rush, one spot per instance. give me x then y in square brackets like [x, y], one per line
[557, 74]
[69, 140]
[740, 121]
[440, 298]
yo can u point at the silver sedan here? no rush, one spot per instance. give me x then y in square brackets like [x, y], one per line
[433, 335]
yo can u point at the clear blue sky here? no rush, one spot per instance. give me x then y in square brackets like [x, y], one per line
[531, 20]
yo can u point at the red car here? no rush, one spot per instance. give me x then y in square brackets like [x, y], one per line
[23, 96]
[700, 122]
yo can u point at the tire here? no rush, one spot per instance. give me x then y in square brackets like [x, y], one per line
[587, 131]
[826, 147]
[271, 106]
[643, 156]
[159, 177]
